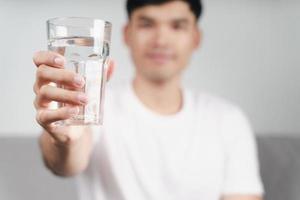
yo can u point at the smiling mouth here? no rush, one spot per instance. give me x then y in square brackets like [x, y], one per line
[159, 58]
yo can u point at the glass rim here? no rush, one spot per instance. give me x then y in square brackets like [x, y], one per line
[52, 20]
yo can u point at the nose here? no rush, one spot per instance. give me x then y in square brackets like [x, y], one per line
[161, 37]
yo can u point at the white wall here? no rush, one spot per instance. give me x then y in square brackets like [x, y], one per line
[249, 55]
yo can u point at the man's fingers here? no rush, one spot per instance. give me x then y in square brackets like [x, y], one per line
[49, 58]
[46, 116]
[46, 74]
[48, 93]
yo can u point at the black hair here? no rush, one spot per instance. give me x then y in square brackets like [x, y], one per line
[132, 5]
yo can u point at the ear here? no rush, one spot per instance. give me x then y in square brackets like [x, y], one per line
[197, 37]
[126, 34]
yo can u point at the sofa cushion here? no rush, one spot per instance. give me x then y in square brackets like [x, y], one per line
[24, 176]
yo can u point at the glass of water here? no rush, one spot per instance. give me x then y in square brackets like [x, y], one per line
[85, 43]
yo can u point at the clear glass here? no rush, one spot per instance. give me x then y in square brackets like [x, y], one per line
[85, 43]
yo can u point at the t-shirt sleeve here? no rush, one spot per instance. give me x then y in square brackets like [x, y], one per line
[242, 174]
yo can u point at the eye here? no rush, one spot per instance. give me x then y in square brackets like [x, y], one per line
[145, 24]
[179, 26]
[176, 26]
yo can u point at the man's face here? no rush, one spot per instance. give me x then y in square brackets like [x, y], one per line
[161, 39]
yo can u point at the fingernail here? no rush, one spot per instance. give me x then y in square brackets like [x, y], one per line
[82, 98]
[78, 80]
[73, 111]
[59, 61]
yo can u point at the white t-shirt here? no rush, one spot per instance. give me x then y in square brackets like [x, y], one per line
[200, 153]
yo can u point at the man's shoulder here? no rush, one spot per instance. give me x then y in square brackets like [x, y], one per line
[229, 115]
[205, 100]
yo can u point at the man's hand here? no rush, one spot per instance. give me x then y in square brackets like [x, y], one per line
[50, 69]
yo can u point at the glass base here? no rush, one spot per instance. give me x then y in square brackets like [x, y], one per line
[80, 121]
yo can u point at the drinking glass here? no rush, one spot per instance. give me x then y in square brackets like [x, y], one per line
[85, 44]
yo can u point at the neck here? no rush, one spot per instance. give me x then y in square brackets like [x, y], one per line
[163, 97]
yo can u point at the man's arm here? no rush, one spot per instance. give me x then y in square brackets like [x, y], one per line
[241, 197]
[67, 159]
[66, 149]
[242, 175]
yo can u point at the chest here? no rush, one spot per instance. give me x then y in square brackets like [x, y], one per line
[186, 157]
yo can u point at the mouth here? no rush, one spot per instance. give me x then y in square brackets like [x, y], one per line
[160, 58]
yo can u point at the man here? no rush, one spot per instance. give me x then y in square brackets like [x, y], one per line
[159, 140]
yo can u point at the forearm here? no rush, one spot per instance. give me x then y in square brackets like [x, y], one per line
[66, 160]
